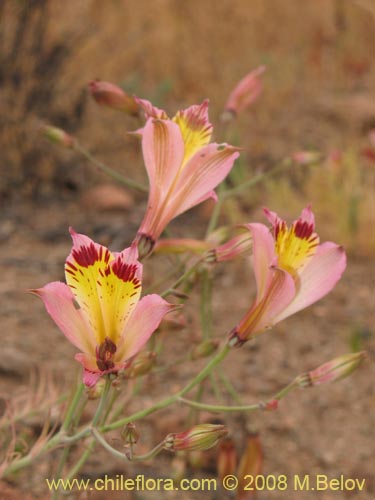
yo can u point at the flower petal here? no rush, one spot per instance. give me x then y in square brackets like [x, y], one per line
[163, 151]
[91, 373]
[63, 309]
[195, 128]
[262, 315]
[318, 277]
[144, 320]
[208, 167]
[105, 286]
[263, 256]
[150, 110]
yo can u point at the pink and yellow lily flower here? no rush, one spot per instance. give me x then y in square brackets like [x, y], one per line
[292, 271]
[99, 309]
[182, 166]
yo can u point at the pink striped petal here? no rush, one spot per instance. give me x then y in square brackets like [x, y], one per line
[318, 277]
[163, 152]
[64, 310]
[262, 315]
[202, 173]
[144, 320]
[263, 256]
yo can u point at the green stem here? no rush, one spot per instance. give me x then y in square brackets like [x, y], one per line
[229, 387]
[61, 438]
[182, 278]
[172, 399]
[135, 458]
[72, 407]
[109, 171]
[224, 408]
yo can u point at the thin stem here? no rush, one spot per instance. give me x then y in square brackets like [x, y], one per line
[72, 407]
[135, 458]
[220, 408]
[102, 402]
[182, 278]
[223, 408]
[109, 171]
[172, 399]
[205, 304]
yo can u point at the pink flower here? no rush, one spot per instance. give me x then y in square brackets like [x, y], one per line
[292, 271]
[99, 309]
[183, 168]
[245, 92]
[110, 95]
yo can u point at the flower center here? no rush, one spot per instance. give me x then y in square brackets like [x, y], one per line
[104, 354]
[296, 245]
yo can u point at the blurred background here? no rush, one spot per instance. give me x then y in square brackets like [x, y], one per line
[319, 95]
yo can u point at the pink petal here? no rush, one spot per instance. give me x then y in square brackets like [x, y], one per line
[264, 314]
[144, 320]
[61, 306]
[202, 173]
[163, 152]
[150, 110]
[318, 277]
[263, 256]
[91, 373]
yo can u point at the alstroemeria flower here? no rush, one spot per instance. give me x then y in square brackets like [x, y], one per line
[99, 309]
[292, 271]
[183, 168]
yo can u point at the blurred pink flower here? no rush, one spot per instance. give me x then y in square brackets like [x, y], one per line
[99, 310]
[183, 168]
[306, 157]
[245, 92]
[110, 95]
[292, 271]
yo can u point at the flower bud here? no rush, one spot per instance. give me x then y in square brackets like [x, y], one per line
[199, 437]
[110, 95]
[141, 365]
[129, 434]
[237, 247]
[226, 458]
[244, 94]
[333, 370]
[57, 136]
[204, 349]
[251, 464]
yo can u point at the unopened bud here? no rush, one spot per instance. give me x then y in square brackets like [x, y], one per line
[271, 405]
[204, 349]
[141, 365]
[227, 458]
[200, 437]
[57, 136]
[239, 246]
[251, 464]
[306, 157]
[244, 94]
[129, 434]
[333, 370]
[110, 95]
